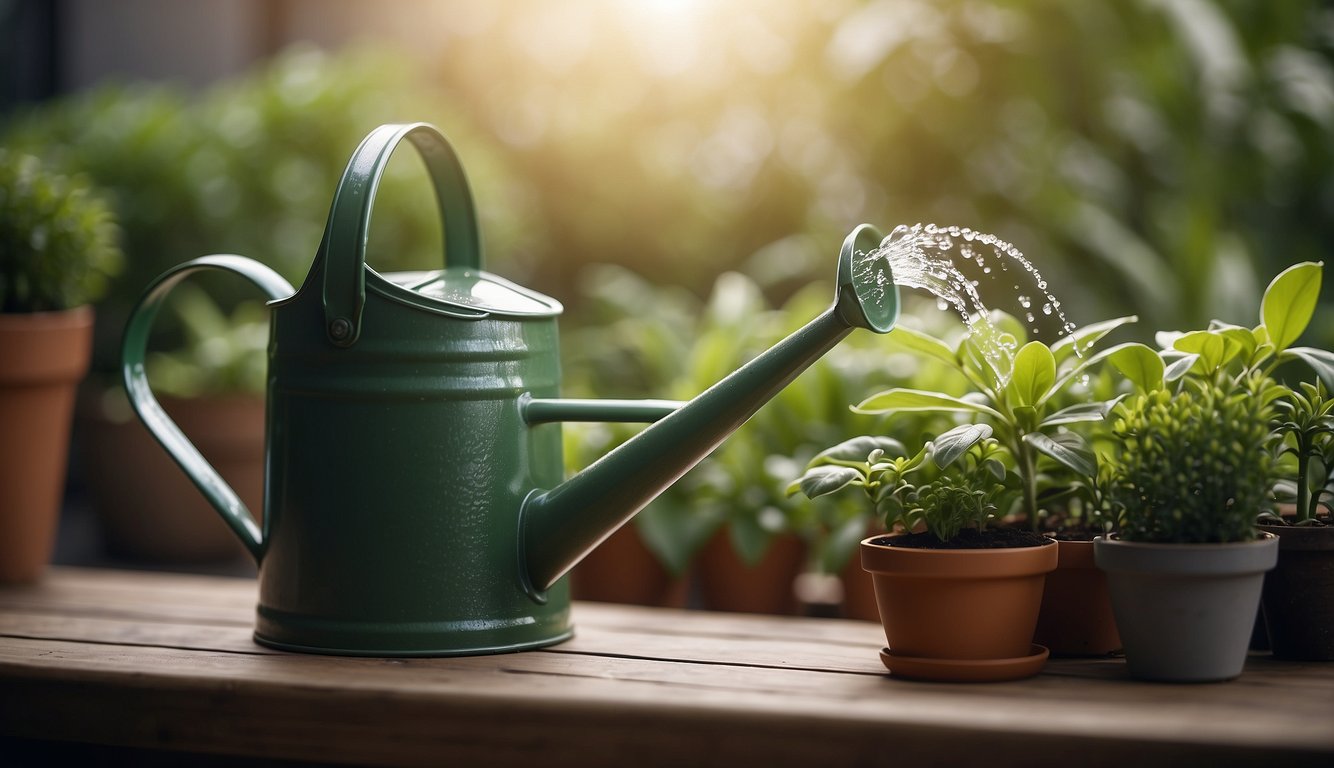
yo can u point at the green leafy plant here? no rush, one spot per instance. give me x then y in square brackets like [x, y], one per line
[1194, 466]
[1305, 434]
[954, 482]
[1199, 439]
[1023, 395]
[58, 246]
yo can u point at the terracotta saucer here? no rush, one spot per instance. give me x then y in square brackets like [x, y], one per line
[965, 670]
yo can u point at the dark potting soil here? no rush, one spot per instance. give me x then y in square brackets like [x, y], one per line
[968, 538]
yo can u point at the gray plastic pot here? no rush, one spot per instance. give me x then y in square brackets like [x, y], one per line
[1185, 611]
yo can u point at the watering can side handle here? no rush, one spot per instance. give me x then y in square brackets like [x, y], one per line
[163, 429]
[545, 410]
[344, 245]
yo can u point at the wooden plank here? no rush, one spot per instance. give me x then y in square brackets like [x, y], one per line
[79, 661]
[567, 711]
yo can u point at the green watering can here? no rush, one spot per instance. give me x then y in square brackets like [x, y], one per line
[414, 500]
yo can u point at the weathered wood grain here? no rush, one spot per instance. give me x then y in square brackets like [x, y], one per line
[161, 661]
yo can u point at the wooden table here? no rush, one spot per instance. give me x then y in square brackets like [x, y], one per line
[165, 662]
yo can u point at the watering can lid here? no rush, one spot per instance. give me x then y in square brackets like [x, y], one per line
[475, 290]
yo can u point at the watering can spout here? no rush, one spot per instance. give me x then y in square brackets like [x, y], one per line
[561, 525]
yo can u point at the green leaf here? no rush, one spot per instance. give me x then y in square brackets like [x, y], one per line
[1033, 375]
[899, 399]
[1180, 367]
[1083, 339]
[1290, 301]
[1068, 449]
[1209, 346]
[822, 481]
[1320, 360]
[922, 343]
[1140, 364]
[949, 446]
[1080, 412]
[857, 449]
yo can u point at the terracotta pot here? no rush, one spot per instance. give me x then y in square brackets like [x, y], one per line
[1076, 617]
[962, 614]
[858, 592]
[623, 570]
[43, 355]
[726, 583]
[148, 510]
[1185, 611]
[1298, 597]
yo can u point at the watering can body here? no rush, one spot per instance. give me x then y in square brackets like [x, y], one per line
[414, 495]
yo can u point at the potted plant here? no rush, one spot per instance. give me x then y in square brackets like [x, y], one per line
[958, 597]
[1298, 615]
[1297, 612]
[1036, 397]
[57, 250]
[1194, 471]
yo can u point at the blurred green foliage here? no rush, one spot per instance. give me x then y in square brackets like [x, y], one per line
[250, 167]
[57, 238]
[1151, 157]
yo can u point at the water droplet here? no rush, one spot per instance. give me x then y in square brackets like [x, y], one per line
[1046, 308]
[1024, 301]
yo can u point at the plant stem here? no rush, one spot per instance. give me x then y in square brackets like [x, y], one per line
[1027, 472]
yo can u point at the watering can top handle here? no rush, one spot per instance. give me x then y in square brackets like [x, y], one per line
[344, 246]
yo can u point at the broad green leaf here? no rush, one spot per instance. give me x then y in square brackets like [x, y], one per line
[1239, 341]
[895, 400]
[1180, 367]
[985, 360]
[922, 343]
[1080, 412]
[1007, 324]
[1290, 301]
[821, 481]
[1078, 370]
[1209, 346]
[858, 448]
[1033, 374]
[1320, 360]
[1067, 448]
[949, 446]
[1140, 364]
[1082, 340]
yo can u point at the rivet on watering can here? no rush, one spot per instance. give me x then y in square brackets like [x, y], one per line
[340, 329]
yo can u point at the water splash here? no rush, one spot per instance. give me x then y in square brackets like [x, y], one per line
[922, 256]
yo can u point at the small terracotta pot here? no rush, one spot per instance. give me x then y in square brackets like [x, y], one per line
[727, 583]
[148, 509]
[1185, 611]
[623, 570]
[1298, 597]
[43, 355]
[858, 592]
[962, 614]
[1076, 617]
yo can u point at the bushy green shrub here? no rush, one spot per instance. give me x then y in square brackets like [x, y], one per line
[1195, 465]
[58, 243]
[958, 480]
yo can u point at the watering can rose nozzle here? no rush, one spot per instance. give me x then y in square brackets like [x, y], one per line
[867, 295]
